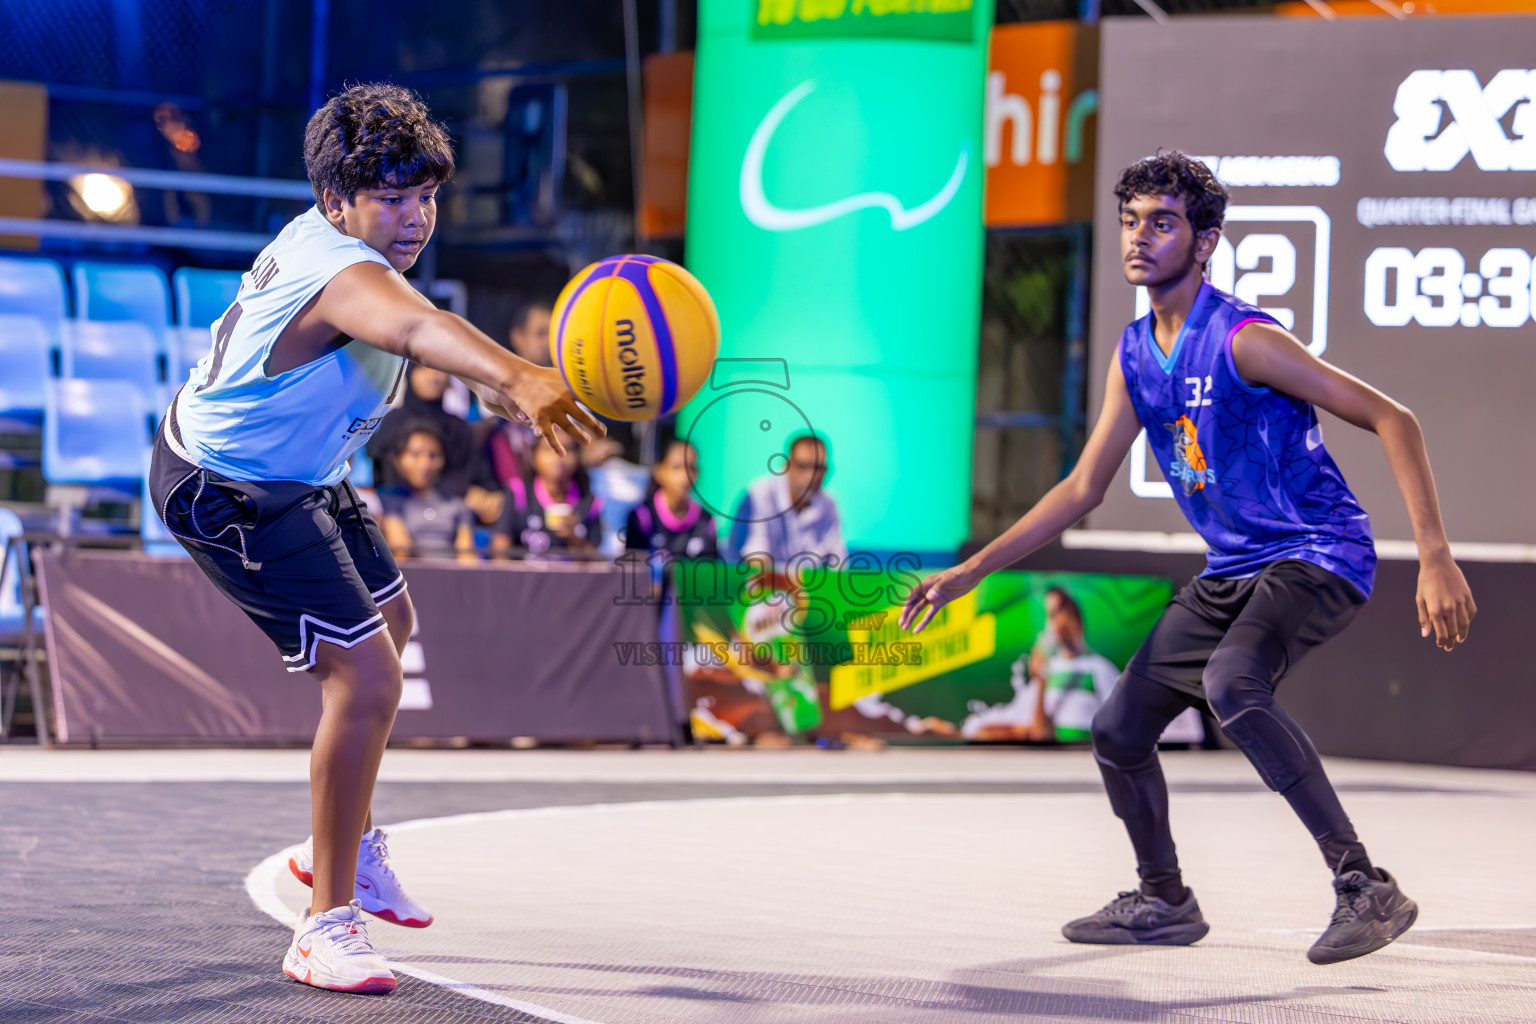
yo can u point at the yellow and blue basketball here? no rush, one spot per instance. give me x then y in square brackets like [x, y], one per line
[634, 336]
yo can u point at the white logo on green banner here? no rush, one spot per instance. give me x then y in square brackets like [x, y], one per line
[834, 213]
[774, 218]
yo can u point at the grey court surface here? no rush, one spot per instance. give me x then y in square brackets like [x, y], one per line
[907, 886]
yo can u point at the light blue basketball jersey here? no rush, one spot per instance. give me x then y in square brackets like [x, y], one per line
[302, 424]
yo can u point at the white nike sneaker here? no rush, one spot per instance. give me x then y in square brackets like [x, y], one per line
[378, 890]
[331, 950]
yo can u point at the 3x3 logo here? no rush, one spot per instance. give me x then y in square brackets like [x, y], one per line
[1423, 140]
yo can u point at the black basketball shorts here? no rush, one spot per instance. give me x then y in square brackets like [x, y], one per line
[306, 563]
[1278, 615]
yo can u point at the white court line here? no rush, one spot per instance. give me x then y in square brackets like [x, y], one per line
[1410, 948]
[261, 886]
[261, 882]
[1477, 928]
[1186, 542]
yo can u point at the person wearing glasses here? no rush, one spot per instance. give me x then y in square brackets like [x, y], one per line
[808, 523]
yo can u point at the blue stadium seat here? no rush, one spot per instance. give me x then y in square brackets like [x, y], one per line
[95, 432]
[25, 345]
[187, 346]
[117, 291]
[124, 352]
[622, 486]
[202, 296]
[12, 611]
[33, 287]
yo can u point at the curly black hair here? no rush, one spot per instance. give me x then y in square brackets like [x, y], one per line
[1174, 174]
[375, 136]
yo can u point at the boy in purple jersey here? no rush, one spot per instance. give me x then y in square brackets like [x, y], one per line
[1227, 399]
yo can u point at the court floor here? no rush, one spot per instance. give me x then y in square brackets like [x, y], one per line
[908, 886]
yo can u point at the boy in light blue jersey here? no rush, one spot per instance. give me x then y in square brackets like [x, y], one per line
[1227, 398]
[250, 469]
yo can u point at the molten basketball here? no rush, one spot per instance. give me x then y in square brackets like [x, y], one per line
[634, 336]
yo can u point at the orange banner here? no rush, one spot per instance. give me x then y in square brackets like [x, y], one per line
[668, 120]
[23, 136]
[1038, 139]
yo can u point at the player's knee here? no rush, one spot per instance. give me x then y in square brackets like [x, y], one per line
[1113, 741]
[1234, 682]
[373, 698]
[366, 680]
[400, 614]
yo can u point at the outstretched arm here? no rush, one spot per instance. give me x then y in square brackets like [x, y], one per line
[1268, 355]
[376, 306]
[1062, 506]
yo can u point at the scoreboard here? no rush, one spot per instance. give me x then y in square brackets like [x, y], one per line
[1383, 208]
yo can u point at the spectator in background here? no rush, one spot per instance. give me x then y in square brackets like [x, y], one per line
[790, 513]
[670, 519]
[464, 473]
[419, 519]
[553, 509]
[530, 332]
[508, 449]
[509, 446]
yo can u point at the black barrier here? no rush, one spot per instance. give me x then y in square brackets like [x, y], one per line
[144, 649]
[1381, 691]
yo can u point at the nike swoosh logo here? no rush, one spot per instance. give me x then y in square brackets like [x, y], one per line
[305, 952]
[755, 204]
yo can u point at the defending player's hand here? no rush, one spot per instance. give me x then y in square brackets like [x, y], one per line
[1445, 602]
[925, 599]
[540, 395]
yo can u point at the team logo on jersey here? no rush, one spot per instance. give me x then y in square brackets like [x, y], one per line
[362, 425]
[1189, 467]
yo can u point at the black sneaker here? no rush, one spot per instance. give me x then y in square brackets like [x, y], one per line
[1133, 918]
[1369, 915]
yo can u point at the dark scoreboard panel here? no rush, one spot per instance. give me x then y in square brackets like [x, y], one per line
[1383, 179]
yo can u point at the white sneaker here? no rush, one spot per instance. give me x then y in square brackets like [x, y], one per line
[331, 950]
[378, 890]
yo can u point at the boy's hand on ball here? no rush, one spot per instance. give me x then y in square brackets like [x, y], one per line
[540, 395]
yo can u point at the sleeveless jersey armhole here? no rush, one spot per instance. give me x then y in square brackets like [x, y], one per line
[292, 314]
[1226, 353]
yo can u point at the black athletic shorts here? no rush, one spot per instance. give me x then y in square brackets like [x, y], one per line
[306, 563]
[1281, 613]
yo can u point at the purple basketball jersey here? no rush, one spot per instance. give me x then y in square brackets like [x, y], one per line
[1247, 464]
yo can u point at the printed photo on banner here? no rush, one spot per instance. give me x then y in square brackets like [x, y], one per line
[1026, 657]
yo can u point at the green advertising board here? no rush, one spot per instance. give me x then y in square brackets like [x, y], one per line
[834, 213]
[822, 653]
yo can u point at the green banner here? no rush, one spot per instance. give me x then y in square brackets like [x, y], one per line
[822, 653]
[890, 19]
[834, 213]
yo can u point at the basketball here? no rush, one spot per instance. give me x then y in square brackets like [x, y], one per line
[634, 336]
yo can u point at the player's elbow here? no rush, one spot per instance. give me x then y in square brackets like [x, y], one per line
[1394, 417]
[415, 333]
[1084, 491]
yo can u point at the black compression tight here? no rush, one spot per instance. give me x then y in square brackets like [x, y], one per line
[1241, 696]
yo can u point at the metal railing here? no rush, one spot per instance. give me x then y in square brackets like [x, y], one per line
[176, 181]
